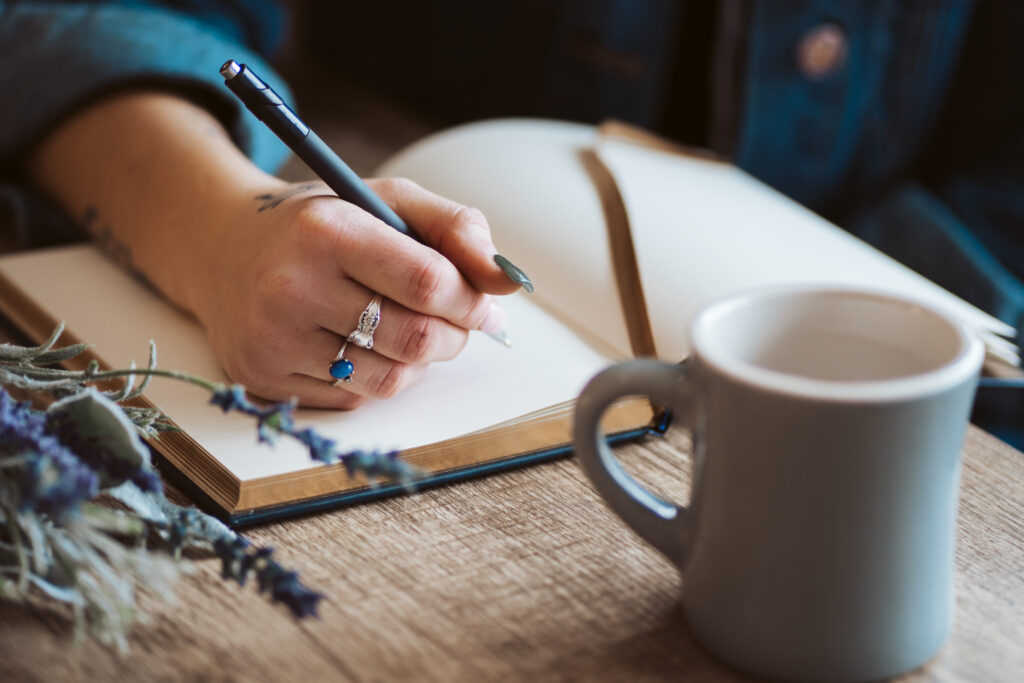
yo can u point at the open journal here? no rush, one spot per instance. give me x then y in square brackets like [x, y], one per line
[624, 240]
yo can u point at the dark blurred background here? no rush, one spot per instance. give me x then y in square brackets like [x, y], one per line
[529, 57]
[394, 69]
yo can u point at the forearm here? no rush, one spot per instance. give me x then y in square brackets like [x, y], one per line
[277, 274]
[154, 178]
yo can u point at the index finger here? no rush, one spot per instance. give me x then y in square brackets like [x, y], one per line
[459, 232]
[410, 273]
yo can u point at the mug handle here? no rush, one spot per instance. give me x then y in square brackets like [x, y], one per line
[661, 523]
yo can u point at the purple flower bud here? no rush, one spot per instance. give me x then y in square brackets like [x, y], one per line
[231, 398]
[52, 480]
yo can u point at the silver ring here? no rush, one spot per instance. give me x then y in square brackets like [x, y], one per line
[341, 368]
[368, 321]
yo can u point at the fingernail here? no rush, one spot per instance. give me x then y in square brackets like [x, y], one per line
[495, 319]
[515, 274]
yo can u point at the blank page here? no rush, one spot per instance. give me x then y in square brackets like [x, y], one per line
[486, 384]
[703, 229]
[545, 214]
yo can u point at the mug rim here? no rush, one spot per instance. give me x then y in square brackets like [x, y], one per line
[966, 362]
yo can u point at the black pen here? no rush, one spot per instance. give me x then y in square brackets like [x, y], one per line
[269, 108]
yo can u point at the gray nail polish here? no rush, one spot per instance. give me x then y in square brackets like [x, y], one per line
[514, 273]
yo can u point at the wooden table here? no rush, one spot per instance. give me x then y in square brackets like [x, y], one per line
[521, 576]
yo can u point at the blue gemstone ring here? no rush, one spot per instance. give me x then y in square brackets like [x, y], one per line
[341, 368]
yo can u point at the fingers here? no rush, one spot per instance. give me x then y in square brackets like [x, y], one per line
[458, 232]
[373, 375]
[412, 274]
[404, 343]
[313, 392]
[308, 378]
[318, 263]
[401, 334]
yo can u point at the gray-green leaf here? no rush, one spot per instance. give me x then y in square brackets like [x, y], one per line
[97, 417]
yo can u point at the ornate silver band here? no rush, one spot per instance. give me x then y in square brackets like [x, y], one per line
[368, 321]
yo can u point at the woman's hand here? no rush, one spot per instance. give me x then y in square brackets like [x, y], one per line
[296, 266]
[278, 274]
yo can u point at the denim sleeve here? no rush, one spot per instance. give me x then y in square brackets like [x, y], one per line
[918, 227]
[57, 57]
[962, 223]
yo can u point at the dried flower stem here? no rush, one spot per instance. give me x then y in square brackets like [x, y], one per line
[51, 463]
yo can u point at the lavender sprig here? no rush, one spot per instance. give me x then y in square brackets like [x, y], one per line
[53, 462]
[19, 366]
[278, 420]
[45, 475]
[239, 561]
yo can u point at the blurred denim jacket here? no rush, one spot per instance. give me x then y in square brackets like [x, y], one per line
[58, 56]
[900, 120]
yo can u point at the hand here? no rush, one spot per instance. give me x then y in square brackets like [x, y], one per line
[277, 274]
[293, 268]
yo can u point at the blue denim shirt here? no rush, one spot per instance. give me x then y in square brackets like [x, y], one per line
[915, 143]
[912, 140]
[59, 56]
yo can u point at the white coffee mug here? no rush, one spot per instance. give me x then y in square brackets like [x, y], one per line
[827, 427]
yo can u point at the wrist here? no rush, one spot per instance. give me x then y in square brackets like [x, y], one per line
[155, 179]
[213, 249]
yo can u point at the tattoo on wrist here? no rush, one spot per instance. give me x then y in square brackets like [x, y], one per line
[120, 252]
[272, 200]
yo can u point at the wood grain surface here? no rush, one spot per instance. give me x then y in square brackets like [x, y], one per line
[522, 576]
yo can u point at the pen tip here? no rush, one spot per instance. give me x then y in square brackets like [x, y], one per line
[501, 337]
